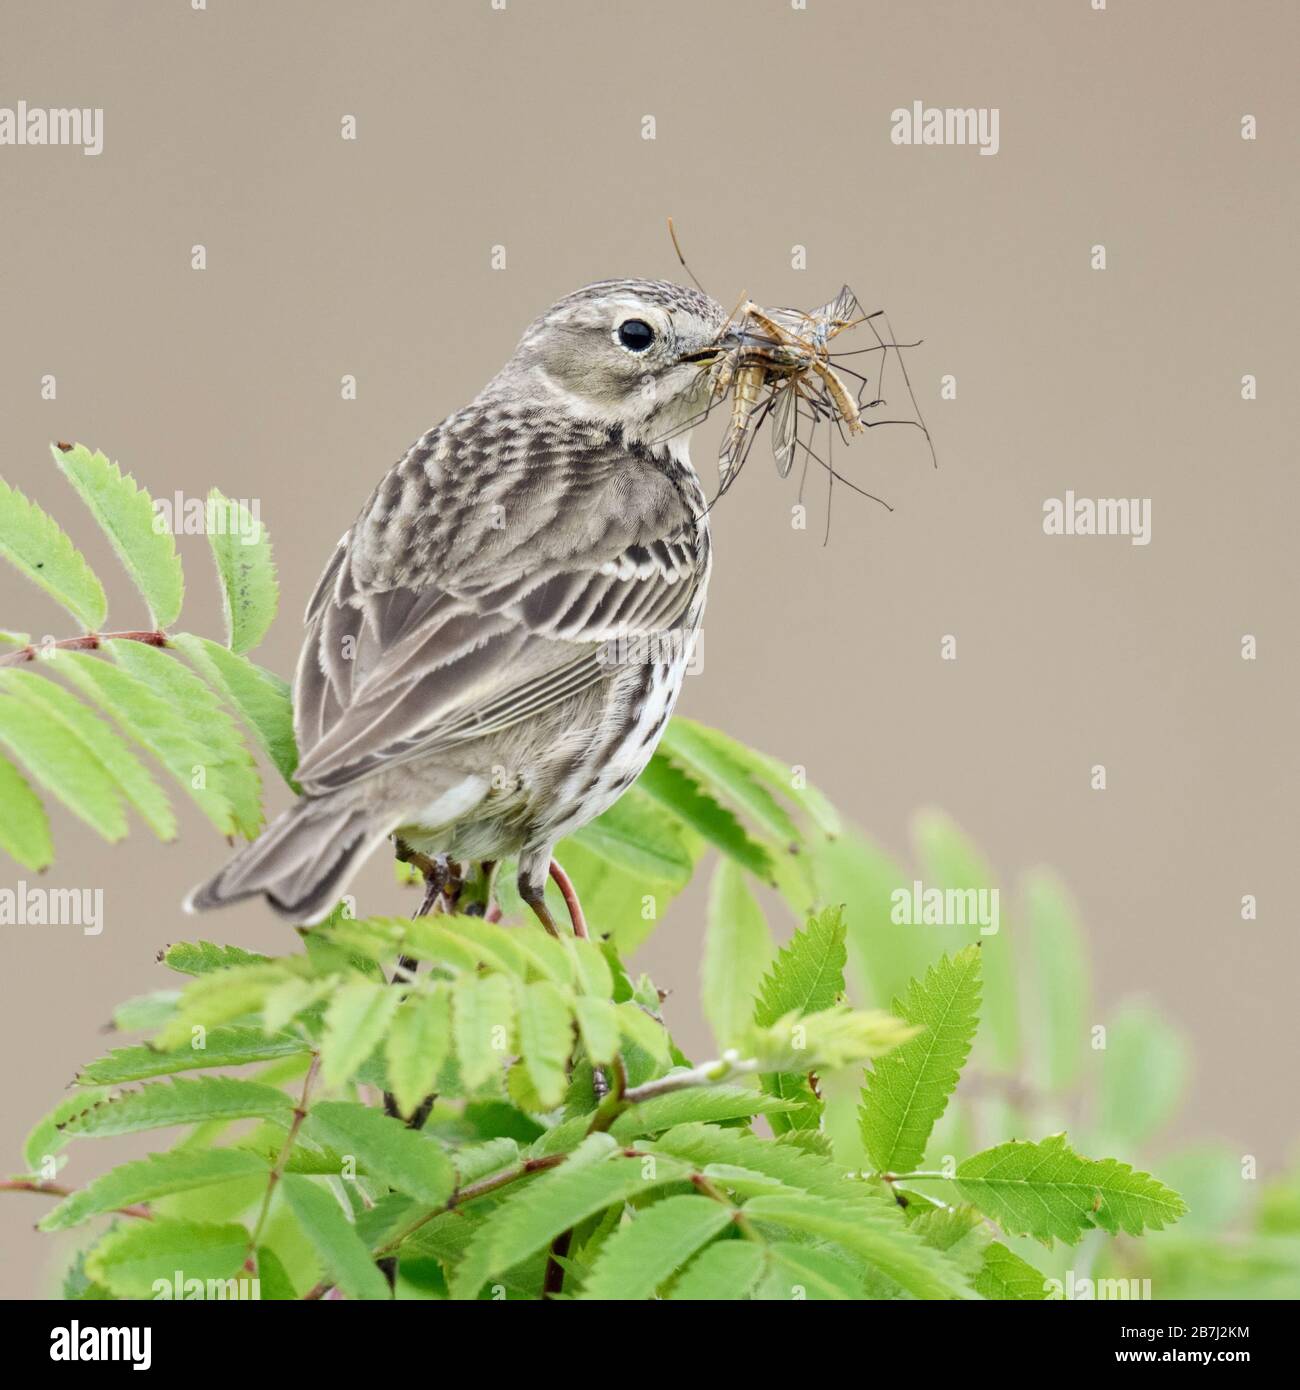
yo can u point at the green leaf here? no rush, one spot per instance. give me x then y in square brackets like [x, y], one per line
[907, 1090]
[737, 951]
[250, 593]
[355, 1023]
[226, 1047]
[46, 1137]
[636, 835]
[212, 1000]
[592, 1178]
[872, 1234]
[545, 1021]
[385, 1149]
[418, 1044]
[670, 785]
[808, 973]
[132, 1258]
[808, 1274]
[1144, 1074]
[712, 759]
[260, 698]
[1046, 1190]
[693, 1104]
[951, 861]
[347, 1261]
[725, 1271]
[159, 1175]
[273, 1279]
[202, 957]
[34, 543]
[706, 1144]
[155, 724]
[1061, 991]
[181, 1102]
[228, 762]
[643, 1254]
[100, 742]
[126, 514]
[598, 1022]
[24, 828]
[483, 1012]
[1006, 1276]
[62, 765]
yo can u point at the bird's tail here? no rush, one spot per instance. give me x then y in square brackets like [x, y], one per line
[301, 863]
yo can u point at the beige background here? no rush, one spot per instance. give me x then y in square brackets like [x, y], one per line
[522, 128]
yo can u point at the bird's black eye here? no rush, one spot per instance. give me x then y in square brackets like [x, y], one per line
[635, 334]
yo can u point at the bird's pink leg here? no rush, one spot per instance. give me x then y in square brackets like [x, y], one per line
[570, 893]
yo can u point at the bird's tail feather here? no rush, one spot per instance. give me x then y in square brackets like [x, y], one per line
[301, 863]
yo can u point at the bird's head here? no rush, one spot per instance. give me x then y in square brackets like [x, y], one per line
[623, 352]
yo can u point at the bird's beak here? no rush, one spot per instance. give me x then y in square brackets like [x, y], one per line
[730, 341]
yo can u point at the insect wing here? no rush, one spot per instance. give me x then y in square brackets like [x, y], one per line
[785, 420]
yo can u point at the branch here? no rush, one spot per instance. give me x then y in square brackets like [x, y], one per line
[57, 1189]
[88, 641]
[277, 1171]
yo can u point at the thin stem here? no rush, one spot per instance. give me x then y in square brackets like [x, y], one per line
[87, 641]
[57, 1189]
[277, 1171]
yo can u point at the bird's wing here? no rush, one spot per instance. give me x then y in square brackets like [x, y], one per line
[440, 619]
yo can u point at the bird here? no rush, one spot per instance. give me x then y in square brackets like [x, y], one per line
[497, 643]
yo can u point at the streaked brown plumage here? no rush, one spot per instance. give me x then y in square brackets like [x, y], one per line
[458, 686]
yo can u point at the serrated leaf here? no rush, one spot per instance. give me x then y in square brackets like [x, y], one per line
[202, 957]
[1005, 1275]
[598, 1022]
[274, 1284]
[1048, 1191]
[418, 1044]
[130, 1259]
[385, 1149]
[907, 1090]
[873, 1234]
[808, 973]
[250, 592]
[713, 760]
[181, 1102]
[159, 1175]
[64, 766]
[672, 787]
[155, 724]
[545, 1022]
[34, 543]
[725, 1271]
[483, 1011]
[24, 827]
[737, 952]
[228, 762]
[345, 1257]
[355, 1023]
[125, 513]
[100, 742]
[46, 1138]
[806, 1273]
[226, 1047]
[696, 1104]
[219, 998]
[643, 1254]
[592, 1178]
[639, 837]
[260, 698]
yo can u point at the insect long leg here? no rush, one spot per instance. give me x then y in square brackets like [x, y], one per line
[672, 232]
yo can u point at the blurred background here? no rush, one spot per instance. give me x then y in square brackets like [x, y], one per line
[521, 127]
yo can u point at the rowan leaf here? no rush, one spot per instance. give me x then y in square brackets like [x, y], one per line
[385, 1149]
[483, 1012]
[637, 836]
[1005, 1275]
[33, 542]
[545, 1021]
[725, 1271]
[132, 1258]
[181, 1102]
[24, 827]
[224, 1047]
[670, 785]
[250, 592]
[737, 952]
[346, 1259]
[355, 1023]
[419, 1041]
[658, 1241]
[1046, 1190]
[907, 1090]
[125, 512]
